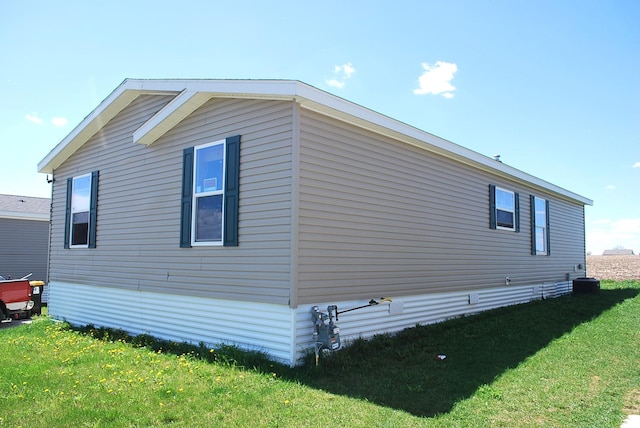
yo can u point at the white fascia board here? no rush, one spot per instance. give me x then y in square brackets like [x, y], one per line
[130, 89]
[24, 216]
[193, 93]
[111, 106]
[269, 89]
[341, 109]
[170, 115]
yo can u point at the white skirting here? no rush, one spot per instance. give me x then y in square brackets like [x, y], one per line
[282, 332]
[175, 317]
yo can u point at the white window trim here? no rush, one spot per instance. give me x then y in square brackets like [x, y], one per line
[513, 211]
[88, 211]
[196, 195]
[544, 229]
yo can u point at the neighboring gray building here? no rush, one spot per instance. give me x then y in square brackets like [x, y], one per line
[24, 236]
[223, 210]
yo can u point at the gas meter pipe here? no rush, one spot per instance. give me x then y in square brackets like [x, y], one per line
[326, 335]
[372, 302]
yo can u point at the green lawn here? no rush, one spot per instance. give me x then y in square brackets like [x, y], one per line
[567, 362]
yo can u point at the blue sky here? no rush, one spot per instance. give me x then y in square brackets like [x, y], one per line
[551, 86]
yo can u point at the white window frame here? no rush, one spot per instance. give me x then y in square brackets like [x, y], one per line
[541, 229]
[201, 193]
[511, 209]
[77, 211]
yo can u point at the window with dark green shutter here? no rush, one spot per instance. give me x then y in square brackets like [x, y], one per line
[504, 206]
[81, 214]
[210, 194]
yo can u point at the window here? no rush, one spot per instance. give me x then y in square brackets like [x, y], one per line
[81, 211]
[210, 194]
[539, 226]
[504, 206]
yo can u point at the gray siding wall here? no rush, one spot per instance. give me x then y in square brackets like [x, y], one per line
[23, 248]
[139, 206]
[383, 218]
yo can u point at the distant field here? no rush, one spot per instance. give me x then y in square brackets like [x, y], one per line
[614, 267]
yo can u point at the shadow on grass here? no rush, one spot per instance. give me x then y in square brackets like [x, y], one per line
[402, 371]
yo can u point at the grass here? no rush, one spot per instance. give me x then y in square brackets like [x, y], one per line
[571, 361]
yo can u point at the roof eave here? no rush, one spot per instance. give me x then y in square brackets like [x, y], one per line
[121, 97]
[191, 94]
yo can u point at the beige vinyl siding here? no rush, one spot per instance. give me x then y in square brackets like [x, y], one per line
[139, 205]
[378, 217]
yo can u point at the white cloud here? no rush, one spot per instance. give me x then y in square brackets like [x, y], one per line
[436, 79]
[59, 121]
[335, 83]
[608, 234]
[340, 75]
[33, 118]
[347, 69]
[610, 187]
[636, 165]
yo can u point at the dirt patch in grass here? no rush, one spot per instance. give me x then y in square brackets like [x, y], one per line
[632, 403]
[617, 268]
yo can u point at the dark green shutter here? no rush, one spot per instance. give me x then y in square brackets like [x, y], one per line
[548, 229]
[517, 211]
[67, 216]
[93, 210]
[492, 206]
[533, 225]
[187, 198]
[232, 192]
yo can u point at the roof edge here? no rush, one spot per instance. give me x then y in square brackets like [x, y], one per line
[190, 93]
[24, 216]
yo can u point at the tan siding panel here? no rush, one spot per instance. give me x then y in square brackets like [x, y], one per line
[139, 206]
[379, 217]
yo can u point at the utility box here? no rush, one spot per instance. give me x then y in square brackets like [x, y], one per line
[586, 286]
